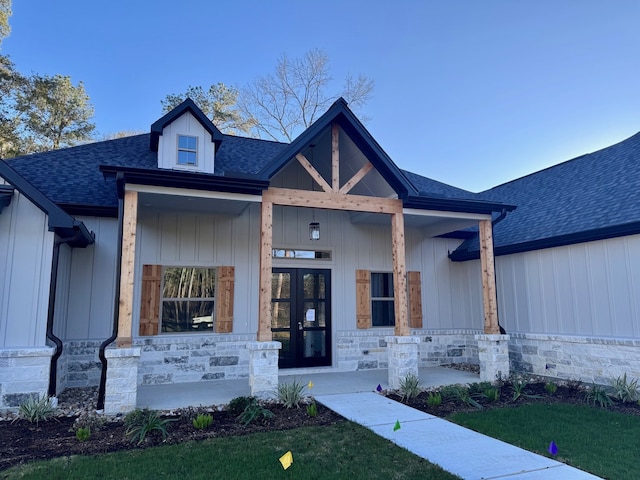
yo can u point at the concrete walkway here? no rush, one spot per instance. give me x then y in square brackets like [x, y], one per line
[458, 450]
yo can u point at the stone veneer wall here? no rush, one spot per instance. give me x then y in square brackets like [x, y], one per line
[367, 349]
[193, 358]
[587, 359]
[24, 372]
[79, 365]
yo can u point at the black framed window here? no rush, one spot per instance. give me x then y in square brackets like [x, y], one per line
[382, 300]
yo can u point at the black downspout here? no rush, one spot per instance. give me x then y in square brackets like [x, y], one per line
[53, 284]
[116, 303]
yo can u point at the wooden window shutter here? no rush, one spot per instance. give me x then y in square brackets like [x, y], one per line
[224, 299]
[415, 300]
[363, 298]
[150, 299]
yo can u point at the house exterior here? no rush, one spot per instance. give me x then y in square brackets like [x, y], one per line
[186, 255]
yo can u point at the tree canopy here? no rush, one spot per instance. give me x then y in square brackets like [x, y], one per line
[218, 103]
[287, 101]
[5, 13]
[279, 105]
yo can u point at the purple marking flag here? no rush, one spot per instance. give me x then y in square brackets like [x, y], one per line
[379, 388]
[553, 448]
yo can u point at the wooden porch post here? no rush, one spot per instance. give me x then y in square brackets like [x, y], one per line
[127, 268]
[399, 275]
[489, 297]
[266, 237]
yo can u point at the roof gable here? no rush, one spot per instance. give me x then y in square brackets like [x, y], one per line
[187, 106]
[340, 114]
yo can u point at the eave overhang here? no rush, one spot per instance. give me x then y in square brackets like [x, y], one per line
[455, 205]
[59, 221]
[6, 194]
[557, 241]
[246, 184]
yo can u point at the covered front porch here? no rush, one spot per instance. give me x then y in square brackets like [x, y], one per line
[220, 392]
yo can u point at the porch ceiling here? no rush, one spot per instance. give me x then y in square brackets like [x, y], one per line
[432, 224]
[185, 203]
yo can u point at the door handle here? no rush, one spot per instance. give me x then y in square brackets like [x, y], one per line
[299, 325]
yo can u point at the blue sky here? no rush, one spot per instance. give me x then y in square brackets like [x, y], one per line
[472, 93]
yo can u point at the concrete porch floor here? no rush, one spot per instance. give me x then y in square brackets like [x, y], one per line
[325, 382]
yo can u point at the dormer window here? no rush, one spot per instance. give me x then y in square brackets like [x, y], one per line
[187, 150]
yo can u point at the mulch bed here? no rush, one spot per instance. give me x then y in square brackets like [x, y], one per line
[21, 441]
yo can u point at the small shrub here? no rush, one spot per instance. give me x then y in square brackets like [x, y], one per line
[491, 393]
[434, 399]
[597, 394]
[253, 411]
[479, 388]
[410, 387]
[202, 421]
[626, 392]
[518, 385]
[463, 395]
[551, 387]
[239, 404]
[312, 409]
[449, 391]
[36, 409]
[291, 394]
[140, 423]
[83, 434]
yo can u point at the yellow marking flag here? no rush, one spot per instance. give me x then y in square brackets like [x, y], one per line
[310, 384]
[286, 460]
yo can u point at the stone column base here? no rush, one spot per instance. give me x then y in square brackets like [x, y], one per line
[403, 358]
[121, 390]
[493, 353]
[24, 373]
[263, 368]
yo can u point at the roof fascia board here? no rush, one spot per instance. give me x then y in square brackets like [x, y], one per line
[339, 112]
[559, 241]
[188, 105]
[187, 180]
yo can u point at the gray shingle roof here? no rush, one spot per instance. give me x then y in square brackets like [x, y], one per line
[599, 191]
[76, 178]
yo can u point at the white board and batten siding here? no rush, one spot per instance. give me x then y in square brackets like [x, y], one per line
[26, 247]
[186, 124]
[89, 306]
[590, 289]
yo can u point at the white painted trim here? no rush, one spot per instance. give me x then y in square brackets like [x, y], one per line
[445, 214]
[186, 192]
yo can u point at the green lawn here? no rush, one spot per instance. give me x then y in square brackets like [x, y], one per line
[599, 441]
[344, 450]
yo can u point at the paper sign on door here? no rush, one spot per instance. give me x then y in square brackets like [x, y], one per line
[311, 315]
